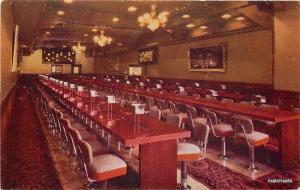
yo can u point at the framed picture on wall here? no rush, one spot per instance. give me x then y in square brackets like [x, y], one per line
[147, 56]
[56, 69]
[208, 58]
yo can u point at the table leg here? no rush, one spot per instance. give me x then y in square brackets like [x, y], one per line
[158, 165]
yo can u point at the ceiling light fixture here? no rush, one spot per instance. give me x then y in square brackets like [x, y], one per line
[94, 30]
[47, 32]
[185, 16]
[226, 16]
[79, 48]
[152, 21]
[240, 18]
[102, 40]
[115, 19]
[64, 46]
[190, 25]
[132, 9]
[203, 27]
[60, 13]
[68, 1]
[85, 35]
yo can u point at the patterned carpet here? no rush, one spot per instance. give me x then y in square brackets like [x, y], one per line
[29, 163]
[215, 176]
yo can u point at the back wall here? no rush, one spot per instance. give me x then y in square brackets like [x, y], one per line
[249, 59]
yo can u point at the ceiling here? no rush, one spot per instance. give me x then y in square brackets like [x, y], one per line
[41, 26]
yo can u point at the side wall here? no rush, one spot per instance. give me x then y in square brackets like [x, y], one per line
[8, 78]
[249, 59]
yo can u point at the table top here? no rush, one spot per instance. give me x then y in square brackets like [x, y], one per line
[121, 122]
[235, 108]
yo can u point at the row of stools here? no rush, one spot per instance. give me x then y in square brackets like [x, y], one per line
[239, 127]
[98, 163]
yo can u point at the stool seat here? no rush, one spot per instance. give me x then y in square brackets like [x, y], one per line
[255, 138]
[223, 130]
[187, 152]
[202, 120]
[183, 115]
[165, 112]
[107, 166]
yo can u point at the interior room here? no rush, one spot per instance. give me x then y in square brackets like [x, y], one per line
[150, 94]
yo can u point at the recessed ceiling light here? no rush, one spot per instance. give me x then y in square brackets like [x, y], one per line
[68, 1]
[24, 46]
[226, 16]
[94, 30]
[165, 12]
[203, 27]
[64, 46]
[115, 19]
[119, 44]
[60, 13]
[47, 32]
[240, 18]
[85, 35]
[132, 9]
[185, 16]
[190, 25]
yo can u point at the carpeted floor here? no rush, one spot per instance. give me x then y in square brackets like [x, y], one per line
[215, 176]
[29, 163]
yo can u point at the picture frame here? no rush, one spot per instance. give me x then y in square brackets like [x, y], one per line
[147, 56]
[209, 58]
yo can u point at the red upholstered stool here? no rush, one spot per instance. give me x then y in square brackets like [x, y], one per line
[221, 130]
[101, 167]
[246, 134]
[190, 152]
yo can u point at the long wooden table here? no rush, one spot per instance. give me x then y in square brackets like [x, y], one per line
[287, 123]
[157, 140]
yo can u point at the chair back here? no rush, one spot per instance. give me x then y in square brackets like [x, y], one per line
[192, 112]
[155, 113]
[85, 151]
[162, 104]
[251, 103]
[212, 117]
[226, 100]
[242, 123]
[269, 106]
[297, 110]
[150, 101]
[174, 119]
[173, 107]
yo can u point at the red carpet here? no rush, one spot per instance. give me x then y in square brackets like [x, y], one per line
[29, 162]
[215, 176]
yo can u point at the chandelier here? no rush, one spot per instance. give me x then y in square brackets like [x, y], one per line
[152, 21]
[79, 48]
[102, 40]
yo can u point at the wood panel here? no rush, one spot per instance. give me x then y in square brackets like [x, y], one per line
[290, 131]
[158, 165]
